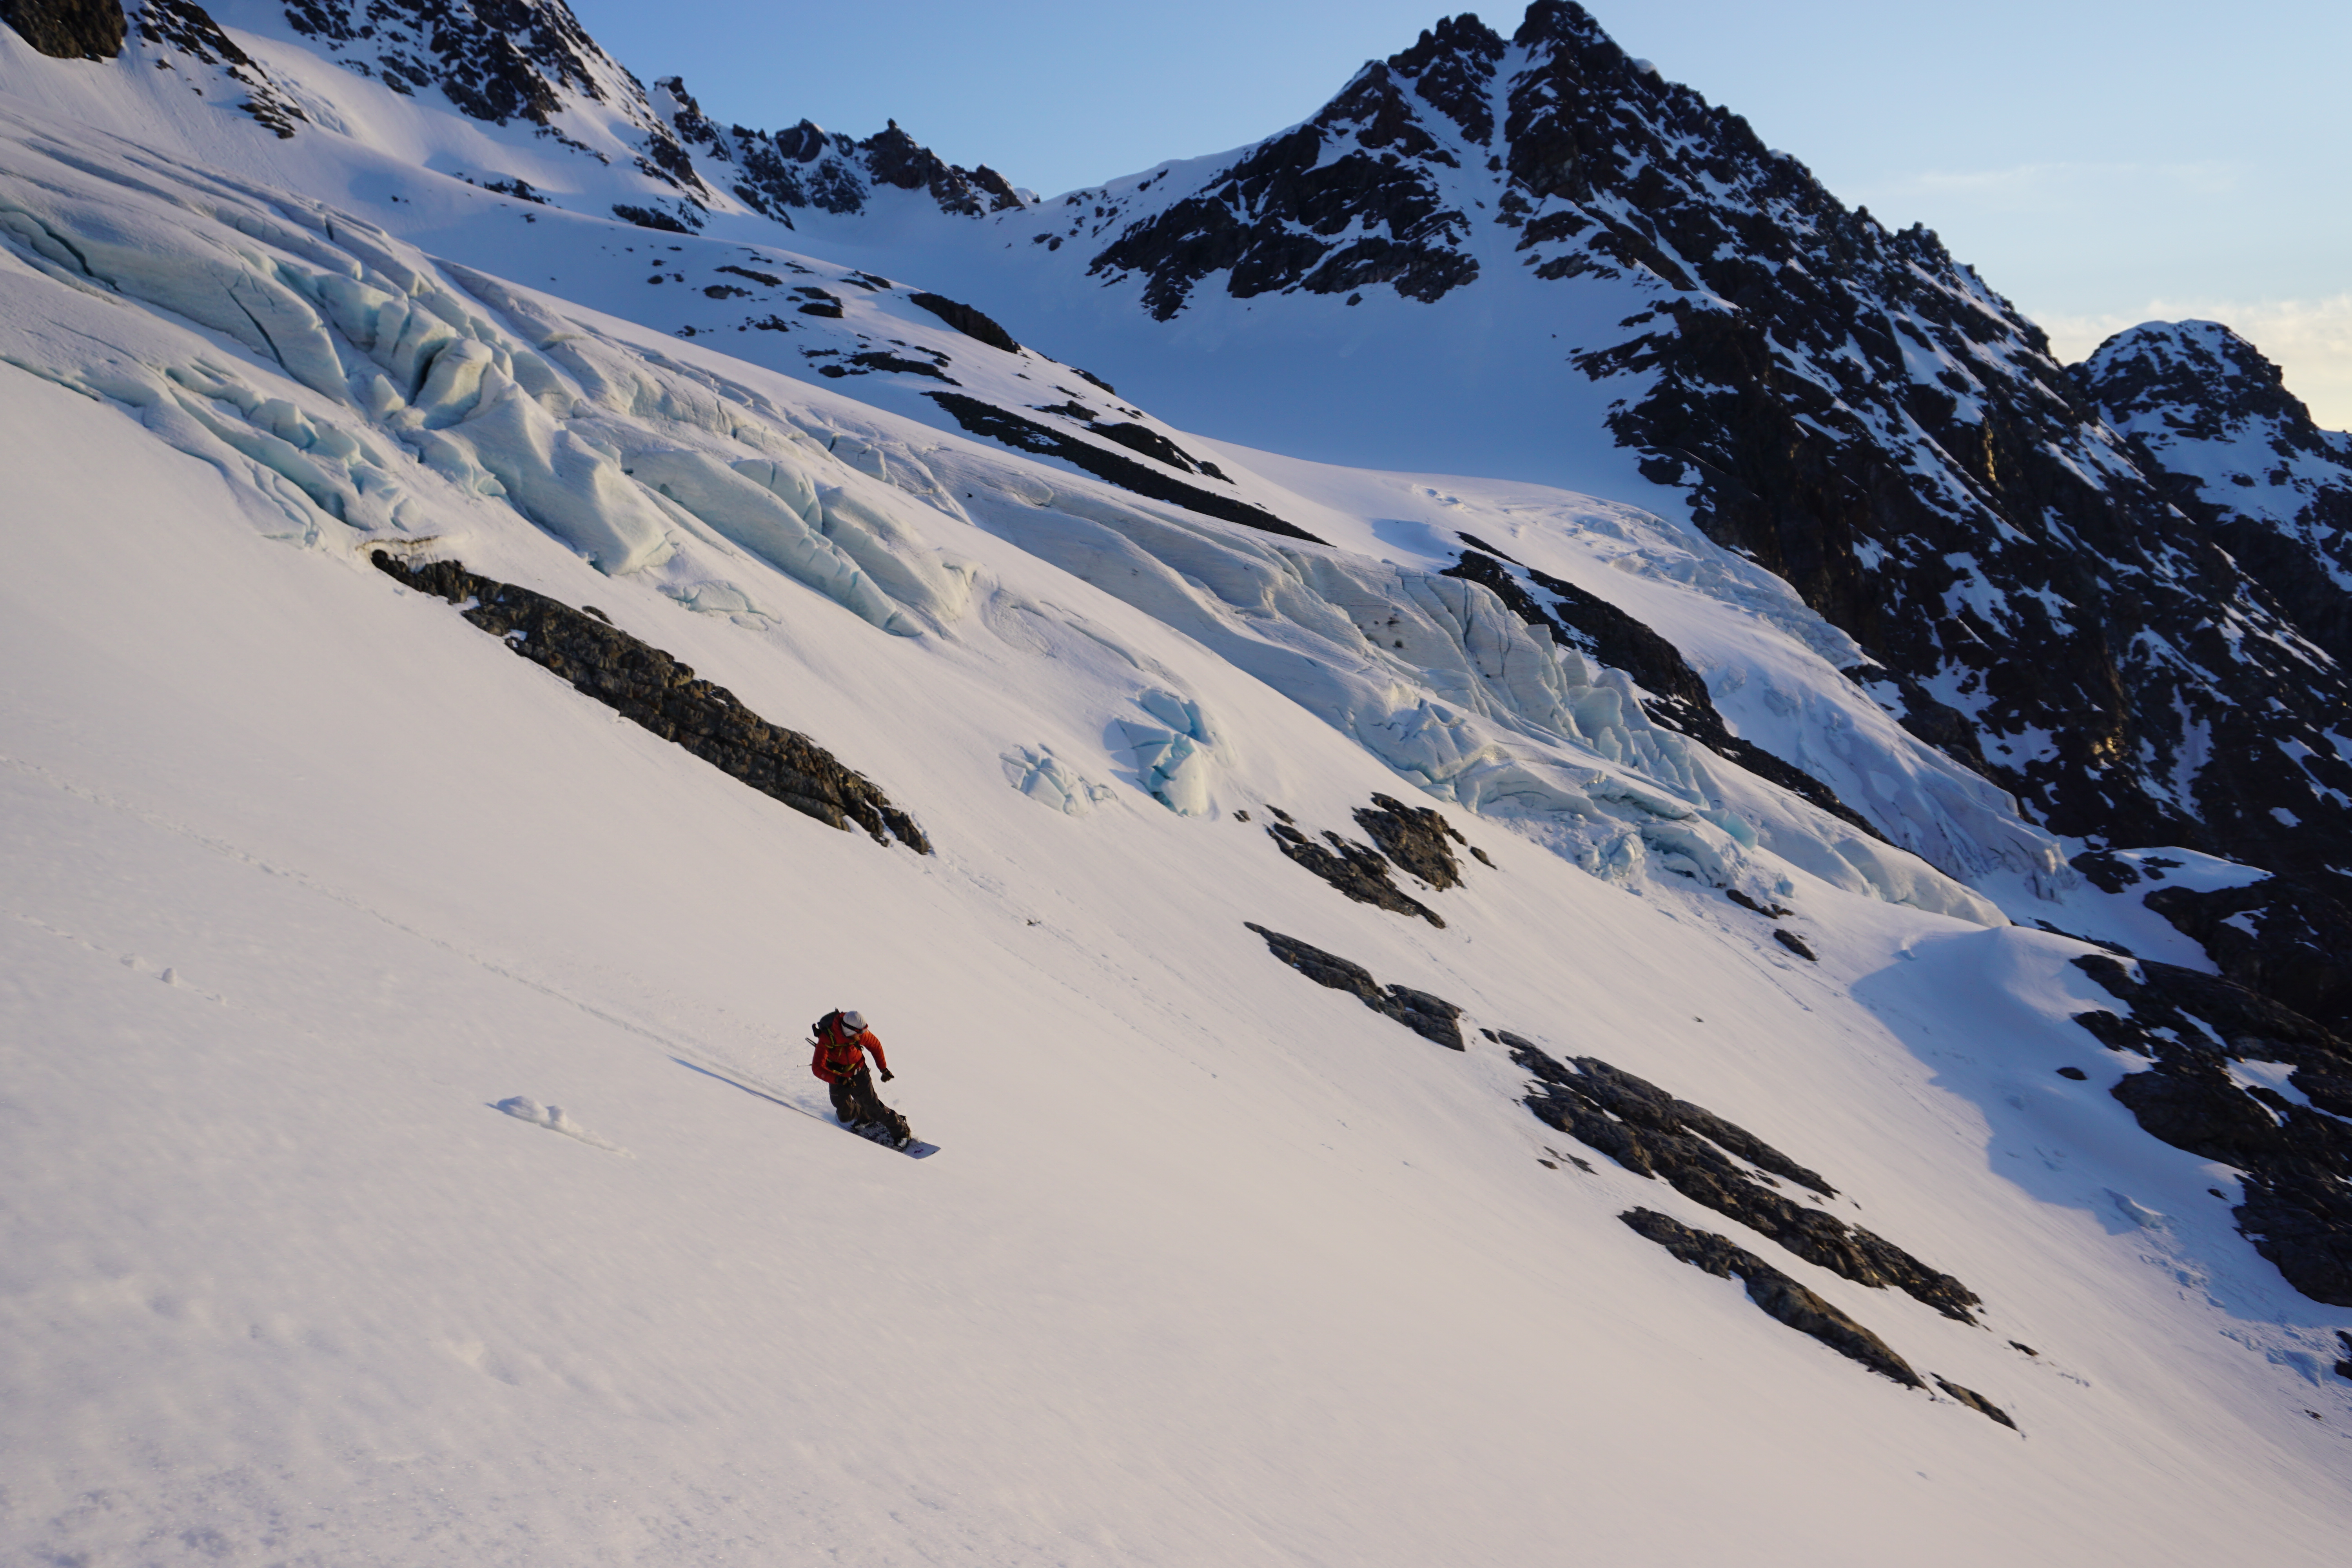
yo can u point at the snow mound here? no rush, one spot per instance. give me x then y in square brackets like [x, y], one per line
[551, 1116]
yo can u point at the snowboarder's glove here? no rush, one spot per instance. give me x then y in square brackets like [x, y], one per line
[888, 1075]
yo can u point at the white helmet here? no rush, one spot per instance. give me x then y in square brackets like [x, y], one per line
[853, 1022]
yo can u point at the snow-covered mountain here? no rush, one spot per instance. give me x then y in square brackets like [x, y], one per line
[1373, 941]
[1850, 407]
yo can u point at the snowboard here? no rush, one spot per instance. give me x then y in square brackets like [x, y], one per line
[875, 1133]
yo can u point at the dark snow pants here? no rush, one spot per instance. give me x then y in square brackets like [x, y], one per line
[855, 1101]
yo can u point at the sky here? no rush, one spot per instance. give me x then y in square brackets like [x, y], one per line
[2100, 162]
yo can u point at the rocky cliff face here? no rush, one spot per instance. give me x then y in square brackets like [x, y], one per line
[67, 29]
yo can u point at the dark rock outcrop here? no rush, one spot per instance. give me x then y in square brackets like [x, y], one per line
[2296, 1160]
[1652, 1133]
[1291, 214]
[1414, 837]
[1027, 435]
[648, 218]
[496, 59]
[1433, 1019]
[1143, 438]
[874, 360]
[2211, 419]
[1354, 869]
[964, 319]
[1782, 1297]
[69, 29]
[1977, 1402]
[2288, 937]
[807, 166]
[649, 688]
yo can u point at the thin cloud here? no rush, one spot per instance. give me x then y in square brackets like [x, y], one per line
[2045, 186]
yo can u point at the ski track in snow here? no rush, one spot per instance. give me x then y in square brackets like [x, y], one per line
[694, 1053]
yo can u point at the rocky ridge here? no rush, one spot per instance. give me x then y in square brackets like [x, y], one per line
[778, 172]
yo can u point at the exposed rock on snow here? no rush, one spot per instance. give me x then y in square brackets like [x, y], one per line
[2212, 419]
[805, 166]
[1023, 435]
[67, 29]
[1644, 1104]
[2296, 1157]
[496, 61]
[964, 319]
[1650, 1132]
[1355, 870]
[1431, 1018]
[1328, 207]
[1779, 1295]
[1415, 837]
[185, 29]
[2288, 937]
[649, 688]
[1977, 1402]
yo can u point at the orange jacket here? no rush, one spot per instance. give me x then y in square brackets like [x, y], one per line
[839, 1056]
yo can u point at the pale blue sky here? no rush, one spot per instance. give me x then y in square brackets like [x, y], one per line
[2100, 161]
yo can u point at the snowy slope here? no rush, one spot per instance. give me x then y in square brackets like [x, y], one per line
[1214, 1262]
[307, 878]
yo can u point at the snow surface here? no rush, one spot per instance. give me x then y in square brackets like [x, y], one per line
[320, 905]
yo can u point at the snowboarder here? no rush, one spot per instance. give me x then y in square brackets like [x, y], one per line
[841, 1042]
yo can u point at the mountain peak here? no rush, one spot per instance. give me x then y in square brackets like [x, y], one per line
[2192, 370]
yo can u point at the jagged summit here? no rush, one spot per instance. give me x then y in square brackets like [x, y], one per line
[779, 172]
